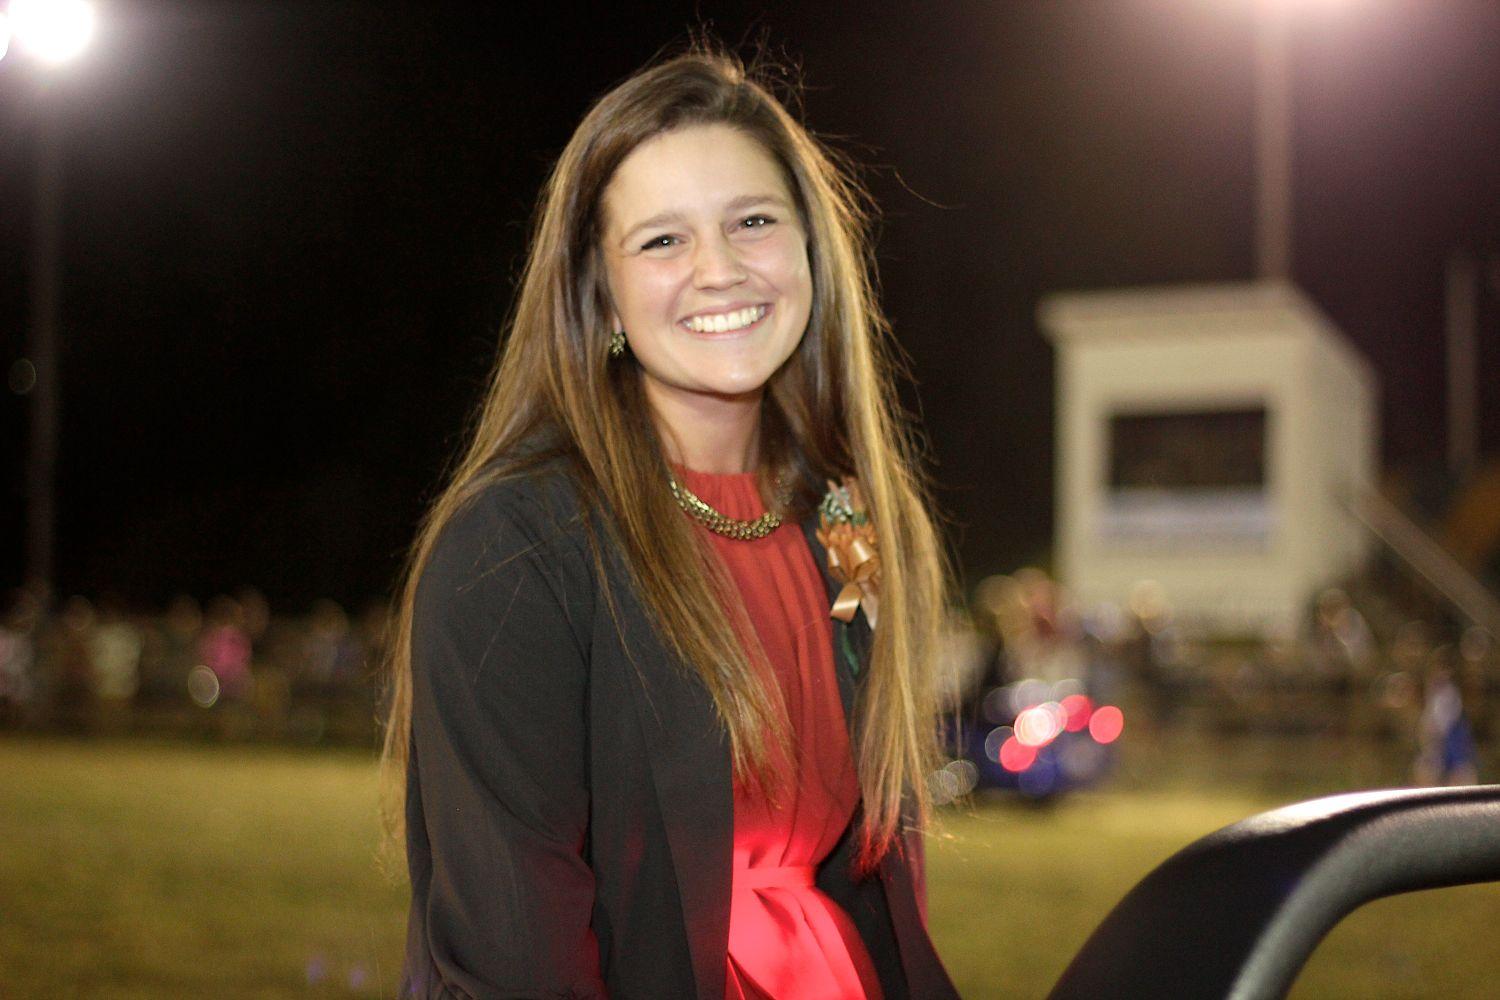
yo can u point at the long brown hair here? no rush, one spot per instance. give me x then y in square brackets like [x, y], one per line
[830, 411]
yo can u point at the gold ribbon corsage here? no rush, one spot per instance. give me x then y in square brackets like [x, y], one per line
[845, 530]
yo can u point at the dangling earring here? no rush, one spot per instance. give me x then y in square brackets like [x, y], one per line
[617, 344]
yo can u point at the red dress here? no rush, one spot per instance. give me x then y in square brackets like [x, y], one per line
[787, 940]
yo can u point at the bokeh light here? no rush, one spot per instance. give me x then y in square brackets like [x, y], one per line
[995, 740]
[965, 774]
[1035, 727]
[996, 706]
[1028, 692]
[1067, 687]
[22, 374]
[1040, 724]
[952, 781]
[1079, 710]
[1107, 724]
[1016, 756]
[203, 686]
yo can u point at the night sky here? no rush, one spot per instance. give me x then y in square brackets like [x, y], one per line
[291, 234]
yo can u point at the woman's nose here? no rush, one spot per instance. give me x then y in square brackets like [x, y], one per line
[717, 264]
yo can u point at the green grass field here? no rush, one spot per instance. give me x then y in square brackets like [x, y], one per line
[130, 869]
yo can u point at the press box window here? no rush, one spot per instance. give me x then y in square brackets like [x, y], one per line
[1187, 477]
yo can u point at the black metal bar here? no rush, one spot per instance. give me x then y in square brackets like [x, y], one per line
[1237, 913]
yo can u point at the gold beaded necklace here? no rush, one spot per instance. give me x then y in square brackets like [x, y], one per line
[730, 527]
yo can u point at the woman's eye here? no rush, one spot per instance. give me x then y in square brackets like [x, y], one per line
[757, 221]
[659, 242]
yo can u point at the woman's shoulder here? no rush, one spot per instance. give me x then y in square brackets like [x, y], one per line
[535, 490]
[506, 569]
[524, 505]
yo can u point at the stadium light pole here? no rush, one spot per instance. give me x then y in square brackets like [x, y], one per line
[51, 33]
[1273, 141]
[1273, 229]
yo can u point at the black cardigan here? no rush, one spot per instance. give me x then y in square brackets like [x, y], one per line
[569, 809]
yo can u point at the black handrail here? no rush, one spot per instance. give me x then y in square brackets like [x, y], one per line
[1236, 914]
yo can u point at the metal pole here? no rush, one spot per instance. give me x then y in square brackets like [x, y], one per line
[41, 465]
[1460, 317]
[1273, 142]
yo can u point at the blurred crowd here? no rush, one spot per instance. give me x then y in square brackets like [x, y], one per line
[232, 668]
[1360, 666]
[229, 667]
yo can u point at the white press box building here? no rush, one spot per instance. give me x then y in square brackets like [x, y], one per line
[1209, 438]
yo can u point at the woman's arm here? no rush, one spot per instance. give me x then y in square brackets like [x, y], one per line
[498, 797]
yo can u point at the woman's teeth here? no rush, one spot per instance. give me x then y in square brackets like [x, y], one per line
[724, 322]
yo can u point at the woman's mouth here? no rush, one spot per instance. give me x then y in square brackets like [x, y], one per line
[732, 321]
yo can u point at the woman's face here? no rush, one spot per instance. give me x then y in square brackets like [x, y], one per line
[706, 260]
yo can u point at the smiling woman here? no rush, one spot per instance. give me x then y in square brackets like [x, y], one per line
[712, 289]
[650, 741]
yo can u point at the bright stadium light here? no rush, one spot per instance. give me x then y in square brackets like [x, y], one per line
[53, 31]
